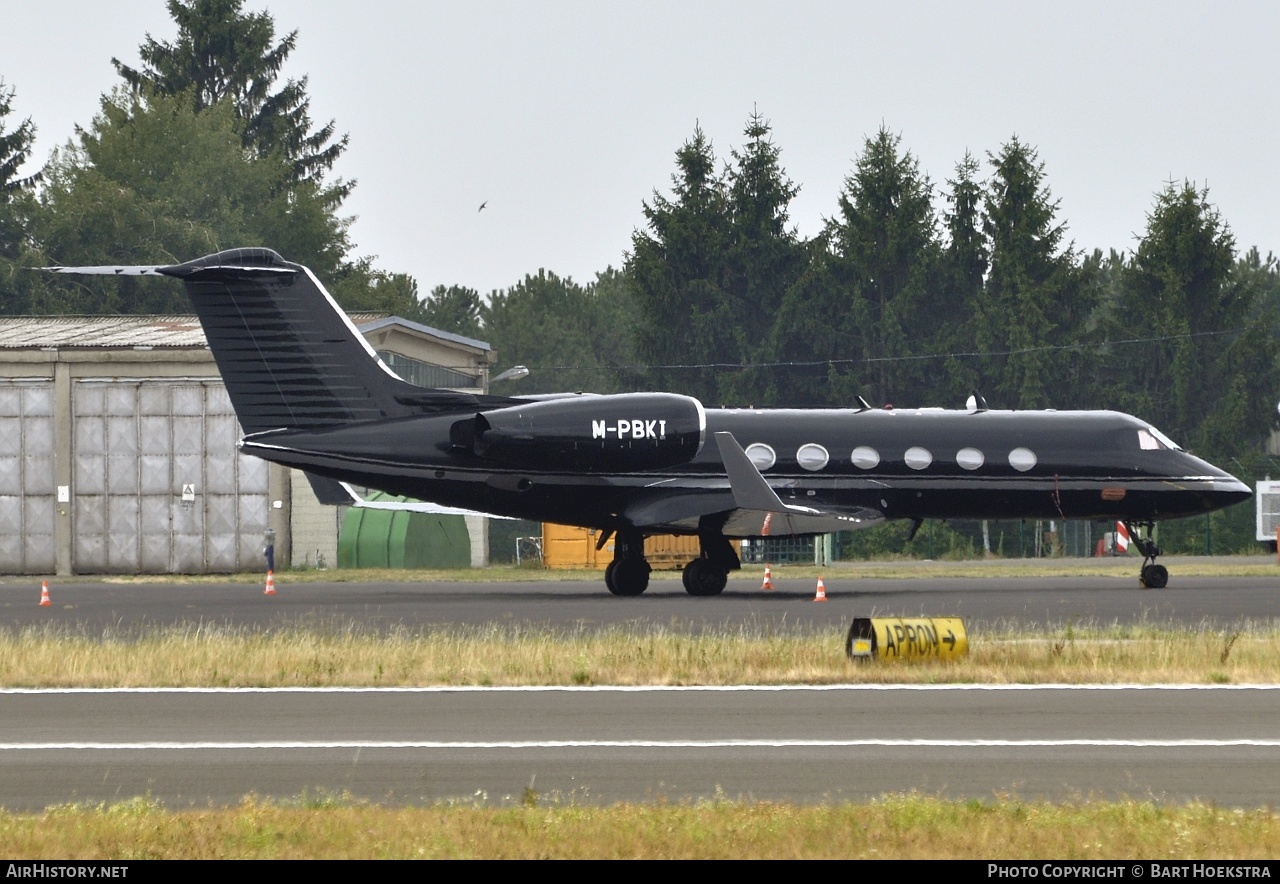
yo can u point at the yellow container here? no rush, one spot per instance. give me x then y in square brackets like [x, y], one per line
[567, 547]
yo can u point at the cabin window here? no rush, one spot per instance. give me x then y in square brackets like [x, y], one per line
[1022, 459]
[918, 458]
[763, 456]
[969, 458]
[812, 457]
[865, 457]
[1152, 439]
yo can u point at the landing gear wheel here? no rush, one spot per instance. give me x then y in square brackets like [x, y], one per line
[1154, 576]
[627, 576]
[702, 578]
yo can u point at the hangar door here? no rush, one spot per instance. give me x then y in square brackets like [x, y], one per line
[27, 491]
[158, 483]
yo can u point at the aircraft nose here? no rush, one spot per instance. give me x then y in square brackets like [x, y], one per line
[1224, 489]
[1230, 491]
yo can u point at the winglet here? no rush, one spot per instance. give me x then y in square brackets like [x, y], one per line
[750, 490]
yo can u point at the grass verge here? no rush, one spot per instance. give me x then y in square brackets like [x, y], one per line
[201, 656]
[894, 827]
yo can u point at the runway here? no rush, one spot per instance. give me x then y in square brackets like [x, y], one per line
[604, 745]
[197, 747]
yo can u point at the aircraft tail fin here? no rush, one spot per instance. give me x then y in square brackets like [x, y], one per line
[288, 354]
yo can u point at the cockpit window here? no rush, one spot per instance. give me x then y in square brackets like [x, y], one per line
[1152, 439]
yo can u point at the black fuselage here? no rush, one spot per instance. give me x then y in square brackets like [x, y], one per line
[906, 463]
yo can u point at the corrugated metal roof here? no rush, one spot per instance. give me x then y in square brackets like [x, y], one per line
[38, 332]
[110, 332]
[367, 326]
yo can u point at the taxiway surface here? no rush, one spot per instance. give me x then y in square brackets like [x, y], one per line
[1032, 602]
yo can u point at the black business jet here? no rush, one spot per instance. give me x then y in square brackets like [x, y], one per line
[311, 394]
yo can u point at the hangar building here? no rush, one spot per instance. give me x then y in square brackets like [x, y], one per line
[118, 448]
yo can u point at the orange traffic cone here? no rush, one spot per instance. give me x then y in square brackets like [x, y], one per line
[271, 584]
[768, 580]
[822, 591]
[44, 594]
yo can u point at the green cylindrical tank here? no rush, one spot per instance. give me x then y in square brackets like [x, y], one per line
[375, 538]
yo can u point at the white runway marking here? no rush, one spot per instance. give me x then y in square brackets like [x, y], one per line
[656, 689]
[631, 744]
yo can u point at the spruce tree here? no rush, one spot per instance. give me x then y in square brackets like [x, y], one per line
[765, 257]
[223, 53]
[886, 247]
[1209, 379]
[21, 290]
[678, 267]
[1033, 298]
[965, 260]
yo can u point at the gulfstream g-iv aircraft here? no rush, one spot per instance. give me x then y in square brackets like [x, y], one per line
[310, 393]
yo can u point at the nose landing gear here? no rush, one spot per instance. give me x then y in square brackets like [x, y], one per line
[1152, 576]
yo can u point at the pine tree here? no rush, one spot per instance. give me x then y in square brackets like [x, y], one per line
[154, 181]
[1210, 379]
[19, 288]
[677, 267]
[765, 258]
[225, 54]
[886, 248]
[1033, 300]
[15, 149]
[965, 260]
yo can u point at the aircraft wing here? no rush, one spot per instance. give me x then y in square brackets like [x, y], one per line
[752, 508]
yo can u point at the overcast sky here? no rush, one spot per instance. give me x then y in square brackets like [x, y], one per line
[565, 116]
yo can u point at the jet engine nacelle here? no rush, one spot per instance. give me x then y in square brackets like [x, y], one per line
[628, 431]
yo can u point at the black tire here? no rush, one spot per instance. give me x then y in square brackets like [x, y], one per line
[608, 576]
[1154, 576]
[630, 576]
[701, 578]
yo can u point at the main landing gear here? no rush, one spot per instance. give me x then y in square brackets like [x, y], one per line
[702, 577]
[1152, 576]
[628, 573]
[709, 573]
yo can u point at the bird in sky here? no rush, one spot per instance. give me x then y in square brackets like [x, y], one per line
[482, 205]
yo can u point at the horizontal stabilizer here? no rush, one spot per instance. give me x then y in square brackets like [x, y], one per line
[412, 506]
[330, 492]
[108, 270]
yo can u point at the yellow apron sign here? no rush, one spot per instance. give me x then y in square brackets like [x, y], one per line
[904, 638]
